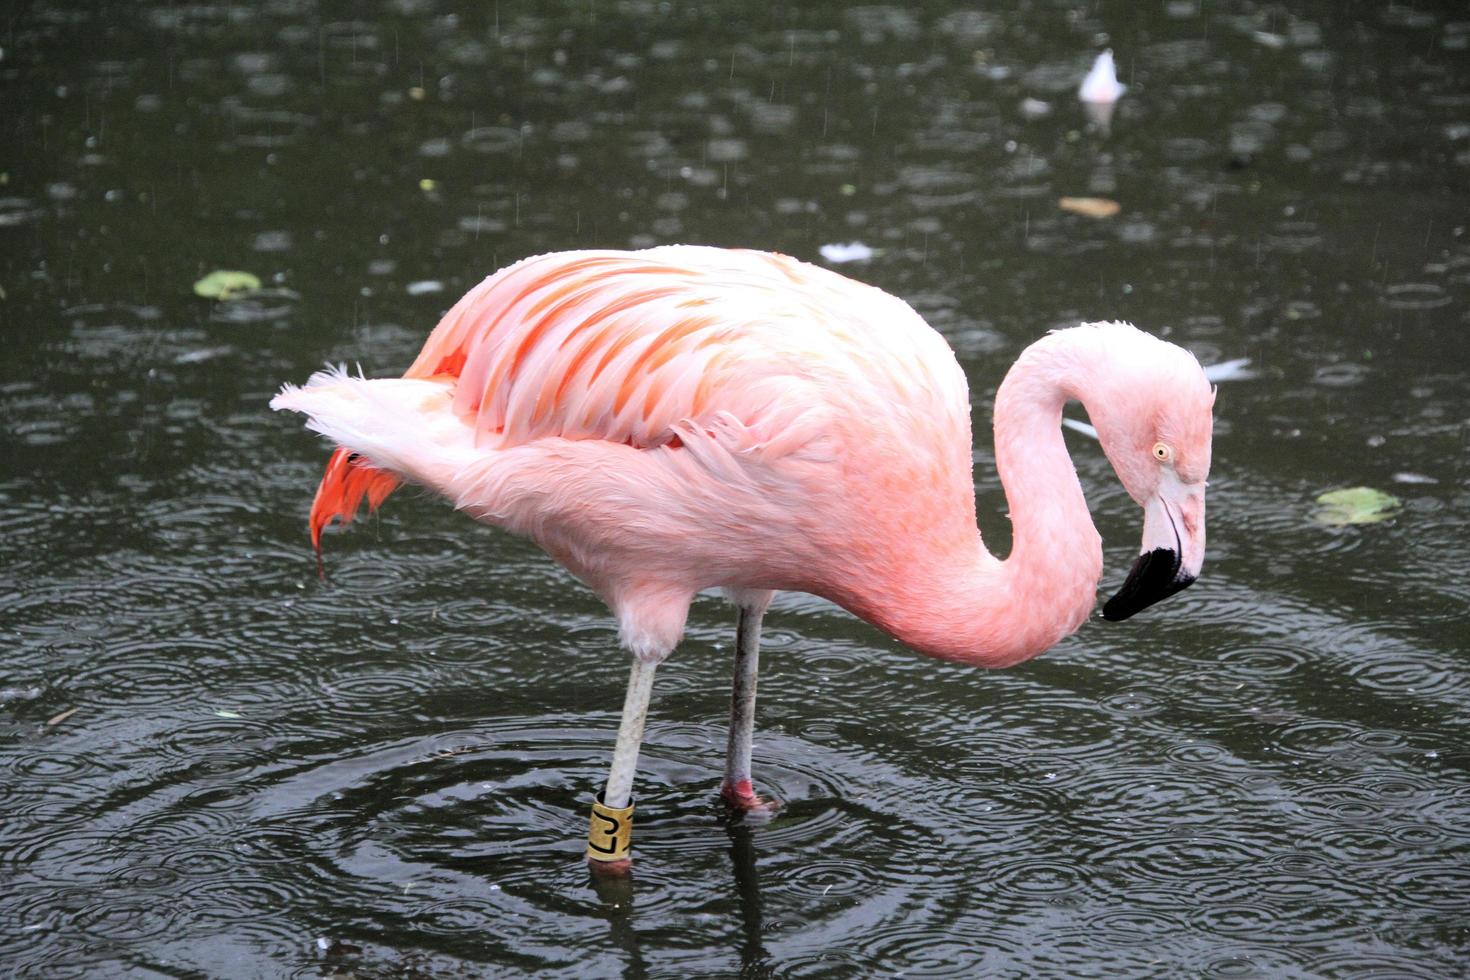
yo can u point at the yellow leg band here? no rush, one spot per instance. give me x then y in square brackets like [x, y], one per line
[610, 832]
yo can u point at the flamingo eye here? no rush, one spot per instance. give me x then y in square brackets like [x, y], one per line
[1162, 453]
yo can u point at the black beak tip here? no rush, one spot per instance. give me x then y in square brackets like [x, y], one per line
[1155, 576]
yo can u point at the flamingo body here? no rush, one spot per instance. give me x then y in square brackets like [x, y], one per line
[681, 418]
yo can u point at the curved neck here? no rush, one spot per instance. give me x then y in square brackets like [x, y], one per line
[1056, 557]
[967, 605]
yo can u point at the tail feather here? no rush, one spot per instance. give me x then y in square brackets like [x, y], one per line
[386, 431]
[347, 480]
[349, 477]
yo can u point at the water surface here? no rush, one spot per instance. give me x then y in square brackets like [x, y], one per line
[212, 762]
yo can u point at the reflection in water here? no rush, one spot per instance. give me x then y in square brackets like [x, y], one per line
[615, 895]
[617, 901]
[754, 961]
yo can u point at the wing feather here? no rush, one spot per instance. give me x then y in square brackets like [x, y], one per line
[653, 347]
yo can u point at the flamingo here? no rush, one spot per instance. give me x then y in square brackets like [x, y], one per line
[683, 418]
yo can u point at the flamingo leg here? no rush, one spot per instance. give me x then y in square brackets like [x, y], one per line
[738, 789]
[619, 791]
[610, 832]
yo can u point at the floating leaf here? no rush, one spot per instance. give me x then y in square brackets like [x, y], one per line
[226, 284]
[226, 713]
[1355, 505]
[1092, 207]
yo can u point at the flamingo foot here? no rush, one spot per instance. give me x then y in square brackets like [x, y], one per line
[740, 795]
[610, 869]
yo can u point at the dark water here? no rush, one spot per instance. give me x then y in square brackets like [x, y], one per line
[213, 763]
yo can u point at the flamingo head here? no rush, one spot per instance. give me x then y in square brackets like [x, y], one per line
[1155, 420]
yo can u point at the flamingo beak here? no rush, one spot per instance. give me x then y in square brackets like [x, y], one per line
[1173, 549]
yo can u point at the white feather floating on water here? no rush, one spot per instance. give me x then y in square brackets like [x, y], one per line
[1214, 373]
[1235, 370]
[1081, 427]
[1035, 108]
[839, 252]
[1101, 84]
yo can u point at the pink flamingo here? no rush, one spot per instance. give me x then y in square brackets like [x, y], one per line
[682, 418]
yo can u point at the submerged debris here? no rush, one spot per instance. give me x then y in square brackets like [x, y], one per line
[1092, 207]
[57, 719]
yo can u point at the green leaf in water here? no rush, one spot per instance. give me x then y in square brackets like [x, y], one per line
[226, 284]
[1355, 505]
[226, 713]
